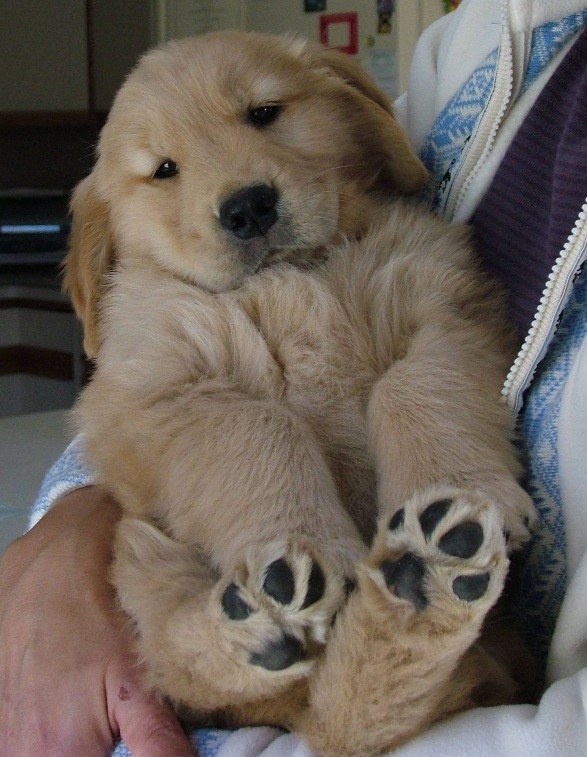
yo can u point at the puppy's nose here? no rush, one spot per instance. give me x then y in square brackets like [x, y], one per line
[250, 212]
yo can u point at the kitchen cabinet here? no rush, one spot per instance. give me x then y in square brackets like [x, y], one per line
[42, 366]
[61, 61]
[44, 56]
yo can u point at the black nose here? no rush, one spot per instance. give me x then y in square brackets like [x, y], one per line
[250, 212]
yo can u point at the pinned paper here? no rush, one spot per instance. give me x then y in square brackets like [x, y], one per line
[382, 66]
[340, 31]
[385, 10]
[311, 6]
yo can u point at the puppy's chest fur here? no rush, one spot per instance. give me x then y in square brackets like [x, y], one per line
[309, 343]
[284, 337]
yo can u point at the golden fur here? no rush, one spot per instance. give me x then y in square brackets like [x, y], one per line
[262, 407]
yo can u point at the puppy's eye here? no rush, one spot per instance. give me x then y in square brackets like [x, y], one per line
[264, 115]
[166, 170]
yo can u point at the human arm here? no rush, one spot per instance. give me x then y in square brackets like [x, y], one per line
[69, 682]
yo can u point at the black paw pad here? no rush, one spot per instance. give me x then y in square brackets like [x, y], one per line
[280, 654]
[234, 605]
[316, 586]
[404, 577]
[397, 520]
[470, 588]
[279, 582]
[349, 586]
[463, 540]
[433, 514]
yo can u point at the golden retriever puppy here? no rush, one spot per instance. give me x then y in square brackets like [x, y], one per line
[296, 398]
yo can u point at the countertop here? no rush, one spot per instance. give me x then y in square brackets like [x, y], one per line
[29, 445]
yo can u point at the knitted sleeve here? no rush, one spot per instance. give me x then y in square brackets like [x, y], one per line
[68, 473]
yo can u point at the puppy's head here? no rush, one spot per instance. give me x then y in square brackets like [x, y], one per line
[226, 152]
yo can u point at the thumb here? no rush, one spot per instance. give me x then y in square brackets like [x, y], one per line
[148, 726]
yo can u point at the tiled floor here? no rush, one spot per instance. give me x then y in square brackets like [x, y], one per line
[29, 444]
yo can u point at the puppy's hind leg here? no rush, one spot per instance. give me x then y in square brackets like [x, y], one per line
[435, 418]
[400, 655]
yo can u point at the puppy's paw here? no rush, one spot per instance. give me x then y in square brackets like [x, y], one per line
[440, 561]
[278, 605]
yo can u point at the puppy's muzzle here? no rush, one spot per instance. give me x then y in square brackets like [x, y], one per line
[250, 212]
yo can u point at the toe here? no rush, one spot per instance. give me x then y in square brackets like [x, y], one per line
[234, 605]
[280, 654]
[279, 582]
[433, 514]
[463, 540]
[471, 588]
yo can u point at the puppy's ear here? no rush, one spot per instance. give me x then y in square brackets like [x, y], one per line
[89, 259]
[386, 147]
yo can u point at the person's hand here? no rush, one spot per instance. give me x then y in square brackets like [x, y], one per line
[69, 682]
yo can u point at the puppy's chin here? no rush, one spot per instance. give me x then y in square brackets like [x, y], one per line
[222, 278]
[228, 263]
[253, 254]
[257, 258]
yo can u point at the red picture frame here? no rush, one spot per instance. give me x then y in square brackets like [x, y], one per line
[352, 21]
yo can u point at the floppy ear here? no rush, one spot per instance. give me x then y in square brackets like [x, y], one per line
[89, 259]
[386, 145]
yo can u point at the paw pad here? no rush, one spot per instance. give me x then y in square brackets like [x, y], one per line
[316, 586]
[470, 588]
[279, 582]
[432, 516]
[398, 520]
[280, 654]
[234, 605]
[404, 577]
[463, 540]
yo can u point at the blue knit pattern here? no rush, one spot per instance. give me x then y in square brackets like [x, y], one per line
[544, 576]
[207, 742]
[67, 474]
[445, 145]
[443, 148]
[547, 40]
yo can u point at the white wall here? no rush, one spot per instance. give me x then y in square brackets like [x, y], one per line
[409, 19]
[388, 56]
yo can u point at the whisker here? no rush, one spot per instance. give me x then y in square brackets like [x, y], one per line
[337, 168]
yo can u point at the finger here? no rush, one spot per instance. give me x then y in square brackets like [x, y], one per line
[149, 727]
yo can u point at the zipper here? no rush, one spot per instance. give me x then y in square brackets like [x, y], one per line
[490, 121]
[545, 321]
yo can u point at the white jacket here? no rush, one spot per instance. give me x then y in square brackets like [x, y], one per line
[447, 55]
